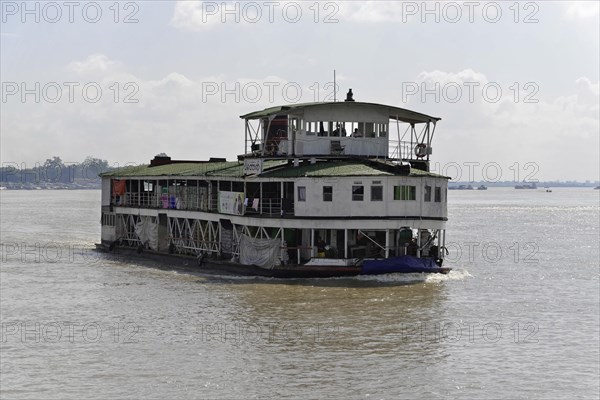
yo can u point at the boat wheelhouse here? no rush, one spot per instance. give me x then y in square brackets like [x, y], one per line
[321, 189]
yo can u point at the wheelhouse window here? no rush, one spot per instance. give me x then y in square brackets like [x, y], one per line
[427, 196]
[376, 193]
[405, 192]
[327, 193]
[326, 128]
[358, 193]
[438, 194]
[301, 193]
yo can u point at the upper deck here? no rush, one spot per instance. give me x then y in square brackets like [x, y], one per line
[340, 129]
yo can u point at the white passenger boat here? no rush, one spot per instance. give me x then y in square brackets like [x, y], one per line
[322, 189]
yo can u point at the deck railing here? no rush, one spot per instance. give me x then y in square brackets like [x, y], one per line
[402, 150]
[267, 207]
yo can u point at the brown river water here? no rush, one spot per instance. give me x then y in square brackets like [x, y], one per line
[518, 317]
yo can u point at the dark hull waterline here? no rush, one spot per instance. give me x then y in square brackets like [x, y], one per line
[211, 266]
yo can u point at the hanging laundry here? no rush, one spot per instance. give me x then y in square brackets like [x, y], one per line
[118, 187]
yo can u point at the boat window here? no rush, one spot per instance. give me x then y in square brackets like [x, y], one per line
[237, 186]
[322, 128]
[376, 193]
[360, 126]
[405, 192]
[301, 193]
[108, 219]
[368, 129]
[358, 193]
[427, 193]
[294, 124]
[438, 194]
[327, 193]
[340, 129]
[383, 130]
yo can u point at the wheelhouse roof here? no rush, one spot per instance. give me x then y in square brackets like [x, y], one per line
[395, 113]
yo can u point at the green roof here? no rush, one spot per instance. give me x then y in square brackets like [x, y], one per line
[232, 169]
[342, 169]
[325, 169]
[271, 169]
[175, 169]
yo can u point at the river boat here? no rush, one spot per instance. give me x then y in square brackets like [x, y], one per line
[321, 190]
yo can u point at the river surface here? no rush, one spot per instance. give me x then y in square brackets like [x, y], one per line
[518, 317]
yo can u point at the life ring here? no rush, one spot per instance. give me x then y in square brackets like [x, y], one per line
[421, 150]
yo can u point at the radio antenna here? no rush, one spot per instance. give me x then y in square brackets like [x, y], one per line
[334, 87]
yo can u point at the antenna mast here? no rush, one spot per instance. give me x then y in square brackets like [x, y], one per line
[334, 87]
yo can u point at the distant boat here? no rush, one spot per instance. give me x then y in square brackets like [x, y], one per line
[482, 187]
[533, 185]
[548, 190]
[461, 187]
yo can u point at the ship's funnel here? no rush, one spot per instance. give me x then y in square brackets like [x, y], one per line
[349, 95]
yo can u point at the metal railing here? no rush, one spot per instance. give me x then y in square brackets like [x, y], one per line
[403, 150]
[270, 207]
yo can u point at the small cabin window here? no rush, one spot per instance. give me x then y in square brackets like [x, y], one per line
[405, 192]
[339, 129]
[438, 194]
[327, 193]
[376, 193]
[294, 124]
[310, 128]
[369, 129]
[301, 193]
[358, 193]
[383, 130]
[108, 219]
[427, 193]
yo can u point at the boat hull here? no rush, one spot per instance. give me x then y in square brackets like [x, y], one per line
[223, 267]
[402, 264]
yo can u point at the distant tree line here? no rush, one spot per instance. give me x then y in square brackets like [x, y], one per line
[54, 171]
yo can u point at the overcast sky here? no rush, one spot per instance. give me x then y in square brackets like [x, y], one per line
[516, 84]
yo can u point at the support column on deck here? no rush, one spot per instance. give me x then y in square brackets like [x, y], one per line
[260, 203]
[387, 243]
[283, 247]
[163, 233]
[442, 244]
[345, 243]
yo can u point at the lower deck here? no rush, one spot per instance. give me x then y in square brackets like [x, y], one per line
[298, 241]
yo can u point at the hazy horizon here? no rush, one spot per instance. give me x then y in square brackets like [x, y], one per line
[516, 84]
